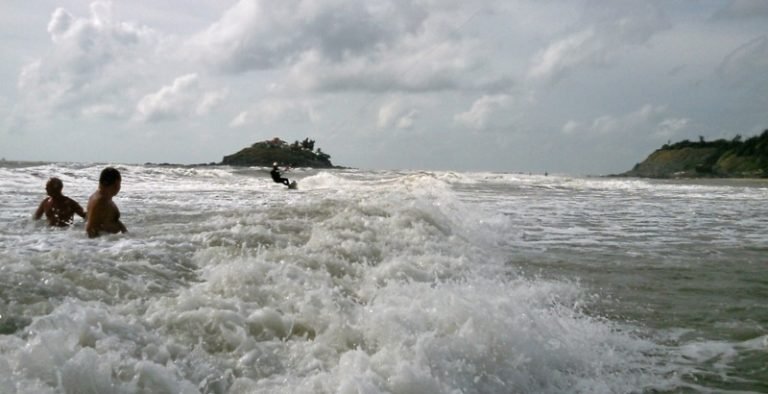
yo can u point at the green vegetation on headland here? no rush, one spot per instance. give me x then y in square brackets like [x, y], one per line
[736, 158]
[297, 154]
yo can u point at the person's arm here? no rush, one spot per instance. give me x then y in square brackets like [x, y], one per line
[77, 208]
[39, 213]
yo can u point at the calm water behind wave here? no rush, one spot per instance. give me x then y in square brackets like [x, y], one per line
[385, 282]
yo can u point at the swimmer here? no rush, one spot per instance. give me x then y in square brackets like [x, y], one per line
[59, 209]
[103, 215]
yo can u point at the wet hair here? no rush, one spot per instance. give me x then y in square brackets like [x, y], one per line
[109, 176]
[55, 183]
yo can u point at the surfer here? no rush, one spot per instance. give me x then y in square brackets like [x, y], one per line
[276, 176]
[59, 209]
[103, 215]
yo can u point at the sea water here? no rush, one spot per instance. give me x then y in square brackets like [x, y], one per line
[385, 282]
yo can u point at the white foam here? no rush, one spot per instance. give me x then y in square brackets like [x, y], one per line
[356, 282]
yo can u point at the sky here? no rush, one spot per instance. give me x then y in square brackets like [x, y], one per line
[576, 87]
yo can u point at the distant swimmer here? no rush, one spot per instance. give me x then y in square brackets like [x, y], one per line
[58, 208]
[276, 176]
[103, 215]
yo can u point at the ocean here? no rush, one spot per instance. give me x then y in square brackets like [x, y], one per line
[385, 282]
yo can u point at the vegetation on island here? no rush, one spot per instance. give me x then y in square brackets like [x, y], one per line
[736, 158]
[297, 154]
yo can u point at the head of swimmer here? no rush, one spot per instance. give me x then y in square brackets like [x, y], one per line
[54, 186]
[110, 180]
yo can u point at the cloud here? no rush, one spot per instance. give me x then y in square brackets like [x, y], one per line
[747, 64]
[489, 111]
[569, 52]
[240, 120]
[648, 120]
[343, 45]
[397, 114]
[94, 63]
[211, 100]
[411, 67]
[103, 111]
[742, 9]
[60, 24]
[606, 31]
[257, 34]
[276, 110]
[184, 97]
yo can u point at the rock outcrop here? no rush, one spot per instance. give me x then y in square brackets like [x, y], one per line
[298, 154]
[716, 159]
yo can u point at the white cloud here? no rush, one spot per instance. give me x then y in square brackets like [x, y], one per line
[672, 126]
[572, 127]
[103, 111]
[397, 113]
[239, 120]
[648, 120]
[95, 62]
[406, 121]
[489, 111]
[183, 97]
[275, 110]
[564, 54]
[409, 67]
[608, 29]
[210, 101]
[61, 22]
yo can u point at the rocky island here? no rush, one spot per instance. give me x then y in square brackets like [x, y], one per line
[736, 158]
[297, 154]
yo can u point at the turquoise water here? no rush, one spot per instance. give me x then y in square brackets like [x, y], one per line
[385, 281]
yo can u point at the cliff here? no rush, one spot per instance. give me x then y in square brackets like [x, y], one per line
[719, 159]
[298, 154]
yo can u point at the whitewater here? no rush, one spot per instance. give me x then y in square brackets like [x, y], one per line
[385, 282]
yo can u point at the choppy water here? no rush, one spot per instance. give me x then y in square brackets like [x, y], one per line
[385, 282]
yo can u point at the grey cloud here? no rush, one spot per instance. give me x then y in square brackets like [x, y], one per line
[410, 67]
[256, 34]
[605, 31]
[742, 9]
[747, 64]
[275, 110]
[646, 121]
[60, 23]
[489, 113]
[406, 45]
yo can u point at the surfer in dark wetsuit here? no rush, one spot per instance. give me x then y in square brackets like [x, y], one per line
[276, 176]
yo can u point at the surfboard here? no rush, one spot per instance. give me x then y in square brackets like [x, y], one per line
[293, 185]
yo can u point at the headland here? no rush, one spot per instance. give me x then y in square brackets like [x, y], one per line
[721, 158]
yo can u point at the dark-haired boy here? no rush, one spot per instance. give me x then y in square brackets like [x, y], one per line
[59, 209]
[103, 215]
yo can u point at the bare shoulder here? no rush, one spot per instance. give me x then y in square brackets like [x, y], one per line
[97, 204]
[96, 198]
[72, 202]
